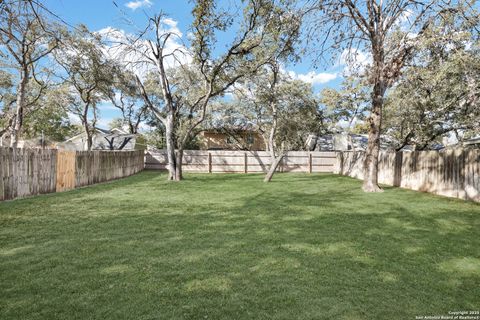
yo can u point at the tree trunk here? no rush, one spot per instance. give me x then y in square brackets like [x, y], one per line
[179, 162]
[89, 136]
[169, 137]
[370, 181]
[17, 126]
[273, 167]
[271, 146]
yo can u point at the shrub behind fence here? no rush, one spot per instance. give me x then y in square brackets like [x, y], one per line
[26, 172]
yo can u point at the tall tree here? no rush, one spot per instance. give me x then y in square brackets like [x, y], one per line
[284, 111]
[26, 37]
[88, 74]
[389, 32]
[210, 71]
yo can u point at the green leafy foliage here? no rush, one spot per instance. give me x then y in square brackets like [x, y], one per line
[347, 105]
[439, 93]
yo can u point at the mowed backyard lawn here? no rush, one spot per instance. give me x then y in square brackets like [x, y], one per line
[232, 247]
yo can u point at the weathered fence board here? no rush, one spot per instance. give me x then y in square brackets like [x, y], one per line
[452, 173]
[26, 172]
[245, 161]
[98, 166]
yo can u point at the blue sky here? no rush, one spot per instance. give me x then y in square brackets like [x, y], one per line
[131, 15]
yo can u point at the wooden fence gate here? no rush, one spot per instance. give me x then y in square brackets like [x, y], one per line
[65, 170]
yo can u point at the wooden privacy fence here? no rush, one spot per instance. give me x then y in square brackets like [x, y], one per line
[25, 172]
[98, 166]
[245, 161]
[453, 173]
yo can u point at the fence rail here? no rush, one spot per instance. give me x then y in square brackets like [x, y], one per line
[26, 172]
[454, 173]
[245, 161]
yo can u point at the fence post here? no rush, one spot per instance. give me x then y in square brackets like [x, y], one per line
[209, 162]
[309, 162]
[245, 161]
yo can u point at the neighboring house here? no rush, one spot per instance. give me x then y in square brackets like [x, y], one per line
[115, 139]
[341, 142]
[472, 143]
[216, 139]
[431, 147]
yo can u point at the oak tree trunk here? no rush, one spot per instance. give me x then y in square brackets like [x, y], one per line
[89, 136]
[179, 162]
[275, 159]
[170, 141]
[370, 180]
[20, 104]
[273, 167]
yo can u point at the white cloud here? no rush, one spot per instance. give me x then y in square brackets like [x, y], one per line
[314, 77]
[355, 61]
[134, 5]
[317, 78]
[170, 22]
[104, 122]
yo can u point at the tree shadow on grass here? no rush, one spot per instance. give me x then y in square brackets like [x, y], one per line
[430, 258]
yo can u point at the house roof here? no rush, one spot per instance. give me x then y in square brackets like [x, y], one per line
[102, 131]
[471, 141]
[223, 130]
[358, 141]
[118, 131]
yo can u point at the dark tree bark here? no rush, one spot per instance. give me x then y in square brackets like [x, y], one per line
[370, 180]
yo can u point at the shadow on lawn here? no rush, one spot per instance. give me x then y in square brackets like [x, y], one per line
[399, 246]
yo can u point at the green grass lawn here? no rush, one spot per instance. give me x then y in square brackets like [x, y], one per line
[232, 247]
